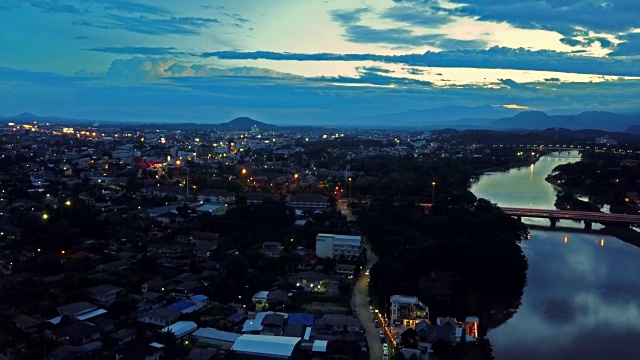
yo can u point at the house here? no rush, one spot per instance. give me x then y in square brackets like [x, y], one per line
[265, 347]
[104, 295]
[271, 249]
[309, 202]
[255, 198]
[214, 338]
[212, 208]
[77, 333]
[79, 311]
[334, 323]
[217, 196]
[204, 236]
[338, 246]
[203, 354]
[312, 281]
[272, 324]
[407, 310]
[151, 300]
[181, 329]
[123, 336]
[140, 349]
[29, 324]
[203, 248]
[155, 284]
[277, 299]
[254, 326]
[161, 317]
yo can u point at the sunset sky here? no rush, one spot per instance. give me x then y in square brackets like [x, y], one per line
[308, 61]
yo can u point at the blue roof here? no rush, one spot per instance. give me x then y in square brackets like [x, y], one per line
[181, 305]
[201, 298]
[304, 319]
[181, 328]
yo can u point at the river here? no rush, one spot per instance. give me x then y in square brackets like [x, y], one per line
[582, 298]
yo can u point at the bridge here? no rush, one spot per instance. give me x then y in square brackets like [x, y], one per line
[588, 217]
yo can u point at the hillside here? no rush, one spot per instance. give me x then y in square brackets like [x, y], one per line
[586, 120]
[244, 124]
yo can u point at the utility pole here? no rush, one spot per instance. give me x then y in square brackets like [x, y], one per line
[433, 192]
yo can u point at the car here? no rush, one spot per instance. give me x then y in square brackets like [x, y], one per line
[366, 272]
[371, 309]
[381, 333]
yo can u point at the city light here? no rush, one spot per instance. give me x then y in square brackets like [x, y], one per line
[45, 216]
[68, 203]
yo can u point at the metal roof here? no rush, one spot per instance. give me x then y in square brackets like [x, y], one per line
[261, 345]
[211, 333]
[181, 328]
[319, 346]
[91, 314]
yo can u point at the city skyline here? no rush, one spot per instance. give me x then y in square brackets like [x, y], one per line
[297, 62]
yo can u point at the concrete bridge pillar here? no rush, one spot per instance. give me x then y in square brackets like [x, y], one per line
[553, 222]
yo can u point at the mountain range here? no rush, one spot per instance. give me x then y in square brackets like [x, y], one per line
[456, 117]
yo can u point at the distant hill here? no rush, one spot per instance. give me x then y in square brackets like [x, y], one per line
[440, 115]
[244, 124]
[29, 117]
[534, 120]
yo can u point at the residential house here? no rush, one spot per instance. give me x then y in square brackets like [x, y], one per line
[123, 336]
[155, 284]
[77, 333]
[214, 338]
[104, 295]
[212, 208]
[271, 249]
[203, 248]
[311, 281]
[29, 324]
[338, 246]
[216, 196]
[161, 317]
[308, 202]
[140, 349]
[272, 324]
[255, 198]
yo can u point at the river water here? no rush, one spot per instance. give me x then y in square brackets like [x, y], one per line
[582, 298]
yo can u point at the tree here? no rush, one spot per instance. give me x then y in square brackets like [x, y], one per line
[132, 185]
[409, 338]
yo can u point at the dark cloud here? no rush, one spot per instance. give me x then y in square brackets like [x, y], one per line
[81, 37]
[492, 58]
[553, 79]
[563, 16]
[417, 16]
[56, 6]
[137, 50]
[413, 71]
[373, 78]
[127, 6]
[354, 32]
[161, 26]
[375, 69]
[511, 84]
[630, 46]
[96, 25]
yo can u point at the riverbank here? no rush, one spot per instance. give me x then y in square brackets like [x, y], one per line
[624, 234]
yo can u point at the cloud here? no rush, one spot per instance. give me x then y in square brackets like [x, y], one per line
[493, 58]
[414, 71]
[355, 32]
[553, 79]
[417, 16]
[55, 7]
[373, 78]
[137, 50]
[611, 16]
[514, 85]
[127, 6]
[630, 46]
[158, 69]
[154, 26]
[374, 69]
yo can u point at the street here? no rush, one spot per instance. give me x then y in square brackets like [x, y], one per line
[361, 307]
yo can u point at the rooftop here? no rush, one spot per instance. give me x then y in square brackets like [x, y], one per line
[260, 345]
[181, 328]
[211, 333]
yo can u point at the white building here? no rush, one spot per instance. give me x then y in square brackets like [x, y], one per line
[407, 310]
[332, 246]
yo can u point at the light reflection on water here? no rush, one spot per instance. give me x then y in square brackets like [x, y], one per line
[582, 299]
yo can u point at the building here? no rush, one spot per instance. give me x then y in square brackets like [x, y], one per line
[255, 198]
[336, 246]
[214, 338]
[161, 317]
[312, 202]
[104, 295]
[271, 249]
[216, 196]
[212, 208]
[181, 329]
[265, 347]
[407, 310]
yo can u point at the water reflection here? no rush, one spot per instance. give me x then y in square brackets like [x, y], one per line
[582, 299]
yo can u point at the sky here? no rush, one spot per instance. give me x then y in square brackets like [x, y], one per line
[314, 61]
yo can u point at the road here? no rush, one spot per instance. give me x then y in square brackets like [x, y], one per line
[361, 307]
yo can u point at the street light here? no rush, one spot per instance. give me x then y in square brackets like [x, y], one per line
[433, 192]
[68, 203]
[45, 216]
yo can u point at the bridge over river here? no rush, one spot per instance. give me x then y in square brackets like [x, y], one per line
[588, 217]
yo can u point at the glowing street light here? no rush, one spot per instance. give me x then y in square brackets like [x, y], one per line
[433, 192]
[45, 216]
[244, 171]
[68, 203]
